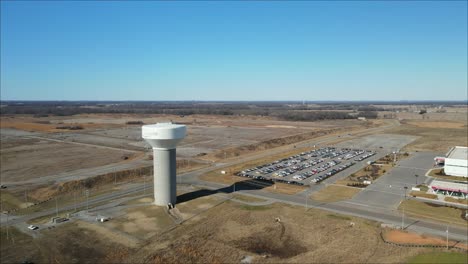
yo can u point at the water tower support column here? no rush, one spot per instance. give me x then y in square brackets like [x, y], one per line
[164, 161]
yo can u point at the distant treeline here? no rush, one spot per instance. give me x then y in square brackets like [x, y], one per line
[282, 110]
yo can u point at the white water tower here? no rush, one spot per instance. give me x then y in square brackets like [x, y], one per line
[164, 137]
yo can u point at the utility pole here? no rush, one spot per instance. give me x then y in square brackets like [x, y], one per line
[56, 206]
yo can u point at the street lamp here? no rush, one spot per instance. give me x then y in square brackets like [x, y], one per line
[447, 231]
[416, 176]
[406, 188]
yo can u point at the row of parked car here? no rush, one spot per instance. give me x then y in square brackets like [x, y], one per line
[365, 156]
[332, 172]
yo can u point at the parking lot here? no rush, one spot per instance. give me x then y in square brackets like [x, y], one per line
[308, 167]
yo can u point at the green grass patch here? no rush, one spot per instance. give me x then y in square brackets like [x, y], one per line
[440, 257]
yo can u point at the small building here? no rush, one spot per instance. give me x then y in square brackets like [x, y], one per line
[456, 162]
[455, 189]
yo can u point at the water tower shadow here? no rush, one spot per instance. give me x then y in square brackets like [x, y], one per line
[249, 184]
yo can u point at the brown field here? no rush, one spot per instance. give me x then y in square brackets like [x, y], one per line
[71, 243]
[453, 200]
[214, 231]
[231, 232]
[43, 158]
[404, 237]
[436, 124]
[438, 139]
[423, 194]
[335, 193]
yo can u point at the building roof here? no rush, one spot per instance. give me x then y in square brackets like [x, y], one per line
[458, 153]
[450, 186]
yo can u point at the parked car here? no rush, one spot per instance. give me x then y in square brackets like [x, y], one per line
[33, 227]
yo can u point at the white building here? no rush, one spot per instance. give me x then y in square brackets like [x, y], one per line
[456, 163]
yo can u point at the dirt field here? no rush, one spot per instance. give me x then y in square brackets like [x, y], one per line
[403, 237]
[335, 193]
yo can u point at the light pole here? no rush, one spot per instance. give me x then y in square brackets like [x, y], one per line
[447, 231]
[403, 211]
[403, 218]
[416, 176]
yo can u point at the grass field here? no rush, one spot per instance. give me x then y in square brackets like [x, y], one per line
[433, 212]
[439, 258]
[335, 193]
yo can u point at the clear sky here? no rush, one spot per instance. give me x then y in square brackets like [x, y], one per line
[126, 50]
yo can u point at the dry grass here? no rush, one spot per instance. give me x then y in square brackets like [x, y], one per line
[221, 233]
[423, 194]
[335, 193]
[69, 243]
[141, 222]
[47, 158]
[434, 139]
[249, 199]
[29, 123]
[227, 234]
[436, 124]
[433, 212]
[453, 200]
[437, 173]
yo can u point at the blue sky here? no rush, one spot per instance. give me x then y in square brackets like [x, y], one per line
[99, 50]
